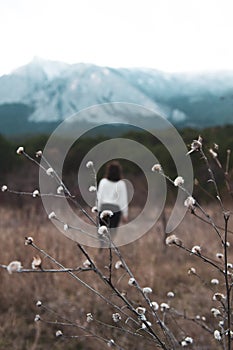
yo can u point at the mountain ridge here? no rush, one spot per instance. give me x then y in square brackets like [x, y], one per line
[55, 90]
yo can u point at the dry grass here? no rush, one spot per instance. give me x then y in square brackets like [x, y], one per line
[162, 268]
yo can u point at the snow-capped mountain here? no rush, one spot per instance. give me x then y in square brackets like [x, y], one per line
[52, 91]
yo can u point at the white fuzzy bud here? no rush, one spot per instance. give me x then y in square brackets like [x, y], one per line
[35, 193]
[178, 181]
[141, 310]
[52, 215]
[189, 340]
[87, 263]
[37, 318]
[217, 335]
[164, 307]
[102, 230]
[192, 271]
[36, 263]
[106, 213]
[218, 296]
[196, 145]
[116, 317]
[4, 188]
[156, 168]
[14, 266]
[28, 240]
[196, 249]
[49, 171]
[148, 323]
[59, 333]
[132, 281]
[173, 239]
[118, 264]
[214, 281]
[20, 150]
[94, 209]
[110, 343]
[66, 227]
[147, 290]
[38, 154]
[215, 312]
[189, 202]
[89, 164]
[89, 317]
[60, 189]
[154, 305]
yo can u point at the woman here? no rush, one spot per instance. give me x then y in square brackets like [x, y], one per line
[112, 195]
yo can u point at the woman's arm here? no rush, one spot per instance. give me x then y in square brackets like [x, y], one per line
[100, 193]
[123, 200]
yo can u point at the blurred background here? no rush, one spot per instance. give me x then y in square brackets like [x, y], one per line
[59, 57]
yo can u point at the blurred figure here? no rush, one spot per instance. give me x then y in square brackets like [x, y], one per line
[112, 195]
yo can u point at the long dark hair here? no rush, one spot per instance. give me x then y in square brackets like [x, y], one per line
[113, 171]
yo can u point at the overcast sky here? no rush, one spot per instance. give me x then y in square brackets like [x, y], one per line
[169, 35]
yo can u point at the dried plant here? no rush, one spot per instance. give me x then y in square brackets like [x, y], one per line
[137, 314]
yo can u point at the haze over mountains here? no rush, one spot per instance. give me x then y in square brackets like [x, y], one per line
[39, 95]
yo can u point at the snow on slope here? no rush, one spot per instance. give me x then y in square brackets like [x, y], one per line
[57, 90]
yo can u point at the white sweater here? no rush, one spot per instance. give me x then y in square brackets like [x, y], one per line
[110, 192]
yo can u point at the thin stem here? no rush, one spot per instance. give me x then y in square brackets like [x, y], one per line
[33, 160]
[95, 184]
[60, 182]
[77, 229]
[57, 177]
[110, 265]
[228, 289]
[228, 161]
[212, 178]
[78, 269]
[207, 222]
[38, 195]
[77, 278]
[74, 324]
[122, 297]
[192, 319]
[197, 205]
[122, 329]
[205, 259]
[166, 331]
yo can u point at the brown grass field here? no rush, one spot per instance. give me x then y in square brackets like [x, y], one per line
[162, 268]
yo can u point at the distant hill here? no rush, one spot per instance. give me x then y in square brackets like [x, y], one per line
[37, 97]
[14, 120]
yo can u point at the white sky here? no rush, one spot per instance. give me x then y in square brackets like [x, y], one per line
[169, 35]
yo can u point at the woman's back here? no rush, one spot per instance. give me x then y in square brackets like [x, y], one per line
[113, 192]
